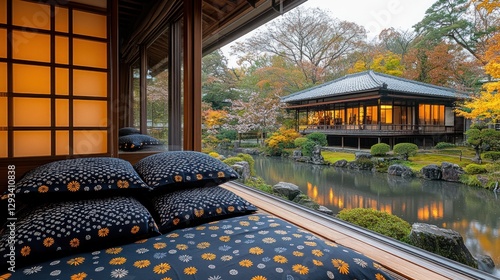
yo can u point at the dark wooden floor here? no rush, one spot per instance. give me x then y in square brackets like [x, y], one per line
[405, 262]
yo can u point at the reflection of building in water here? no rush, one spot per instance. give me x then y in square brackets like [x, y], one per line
[411, 209]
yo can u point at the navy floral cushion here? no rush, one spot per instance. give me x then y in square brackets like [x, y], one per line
[183, 169]
[63, 228]
[194, 206]
[74, 177]
[128, 131]
[135, 142]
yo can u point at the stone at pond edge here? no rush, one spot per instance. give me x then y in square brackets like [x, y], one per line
[485, 263]
[340, 163]
[243, 169]
[306, 201]
[431, 172]
[316, 157]
[325, 210]
[398, 170]
[360, 155]
[444, 242]
[451, 172]
[287, 190]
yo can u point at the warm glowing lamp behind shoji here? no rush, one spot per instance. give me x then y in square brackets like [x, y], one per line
[59, 63]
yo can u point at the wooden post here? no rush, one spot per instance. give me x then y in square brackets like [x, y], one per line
[192, 74]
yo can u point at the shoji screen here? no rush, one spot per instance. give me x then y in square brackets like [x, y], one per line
[54, 80]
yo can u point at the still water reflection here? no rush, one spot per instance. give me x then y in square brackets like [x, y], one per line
[474, 213]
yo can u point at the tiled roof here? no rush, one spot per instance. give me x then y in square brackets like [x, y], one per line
[369, 81]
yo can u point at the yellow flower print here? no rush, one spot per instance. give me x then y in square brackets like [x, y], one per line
[122, 184]
[379, 276]
[142, 263]
[244, 223]
[199, 213]
[298, 254]
[178, 178]
[225, 238]
[254, 218]
[75, 242]
[300, 269]
[317, 263]
[341, 265]
[310, 243]
[230, 208]
[76, 261]
[297, 235]
[176, 221]
[208, 256]
[73, 186]
[172, 235]
[274, 225]
[159, 245]
[213, 228]
[103, 232]
[201, 228]
[135, 229]
[181, 247]
[79, 276]
[199, 176]
[203, 245]
[280, 259]
[259, 277]
[141, 241]
[166, 278]
[220, 174]
[331, 244]
[246, 263]
[256, 251]
[25, 251]
[280, 232]
[161, 268]
[317, 253]
[218, 210]
[43, 189]
[114, 251]
[49, 241]
[190, 270]
[118, 261]
[5, 276]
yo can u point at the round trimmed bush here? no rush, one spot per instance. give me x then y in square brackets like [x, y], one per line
[492, 155]
[444, 145]
[308, 147]
[318, 137]
[298, 142]
[380, 149]
[405, 150]
[473, 169]
[378, 221]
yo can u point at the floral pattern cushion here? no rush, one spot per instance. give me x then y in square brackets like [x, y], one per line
[183, 169]
[194, 206]
[80, 175]
[257, 247]
[57, 229]
[135, 142]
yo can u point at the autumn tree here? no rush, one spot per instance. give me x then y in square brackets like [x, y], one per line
[485, 106]
[458, 21]
[388, 63]
[308, 38]
[219, 81]
[397, 41]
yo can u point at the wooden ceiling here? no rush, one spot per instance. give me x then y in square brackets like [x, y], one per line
[223, 20]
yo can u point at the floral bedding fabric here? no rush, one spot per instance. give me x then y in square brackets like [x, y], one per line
[256, 246]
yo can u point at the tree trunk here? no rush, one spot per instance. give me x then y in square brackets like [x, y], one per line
[478, 155]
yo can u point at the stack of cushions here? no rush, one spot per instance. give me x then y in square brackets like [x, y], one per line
[131, 139]
[92, 203]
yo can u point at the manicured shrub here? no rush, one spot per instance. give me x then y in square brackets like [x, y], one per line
[318, 137]
[473, 169]
[248, 158]
[214, 154]
[405, 150]
[492, 155]
[470, 180]
[308, 147]
[300, 141]
[380, 149]
[232, 160]
[378, 221]
[280, 140]
[444, 145]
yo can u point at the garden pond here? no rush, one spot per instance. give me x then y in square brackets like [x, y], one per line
[473, 212]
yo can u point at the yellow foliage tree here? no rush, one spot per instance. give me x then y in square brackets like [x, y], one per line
[388, 63]
[486, 106]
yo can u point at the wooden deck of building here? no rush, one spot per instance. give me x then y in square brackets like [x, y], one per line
[402, 260]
